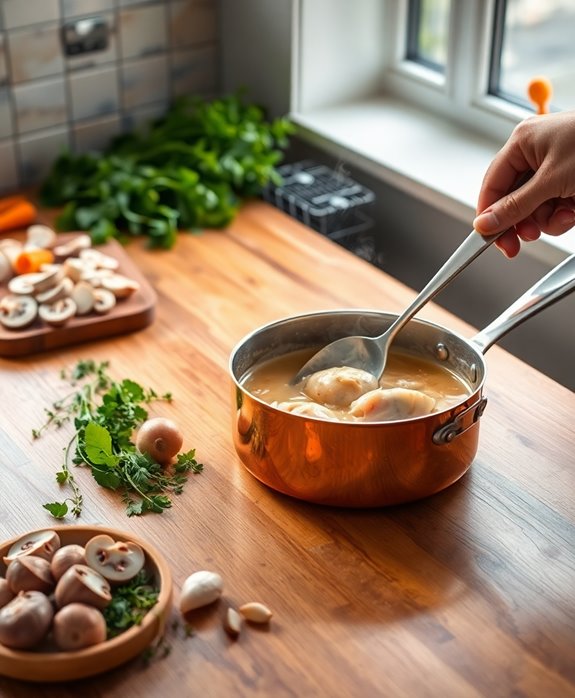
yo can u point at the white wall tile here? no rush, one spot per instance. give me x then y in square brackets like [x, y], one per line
[6, 125]
[22, 13]
[191, 22]
[145, 81]
[139, 119]
[194, 71]
[75, 8]
[8, 168]
[94, 93]
[40, 104]
[96, 135]
[35, 53]
[143, 31]
[39, 151]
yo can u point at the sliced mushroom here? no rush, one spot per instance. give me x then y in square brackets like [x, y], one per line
[96, 276]
[11, 248]
[120, 285]
[56, 293]
[104, 300]
[73, 247]
[117, 561]
[17, 312]
[23, 284]
[83, 296]
[75, 268]
[50, 279]
[99, 259]
[58, 313]
[30, 573]
[39, 543]
[6, 271]
[82, 584]
[40, 236]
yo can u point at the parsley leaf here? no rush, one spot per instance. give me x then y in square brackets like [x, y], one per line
[105, 414]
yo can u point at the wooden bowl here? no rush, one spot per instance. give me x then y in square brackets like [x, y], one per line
[43, 666]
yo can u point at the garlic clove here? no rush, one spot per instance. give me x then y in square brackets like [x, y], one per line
[200, 589]
[256, 612]
[232, 622]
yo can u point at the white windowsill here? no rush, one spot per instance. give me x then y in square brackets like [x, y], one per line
[428, 157]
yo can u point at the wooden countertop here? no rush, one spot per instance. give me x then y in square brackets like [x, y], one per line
[467, 593]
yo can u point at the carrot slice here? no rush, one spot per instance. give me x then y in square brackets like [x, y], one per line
[31, 260]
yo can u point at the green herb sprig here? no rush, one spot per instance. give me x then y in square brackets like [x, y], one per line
[130, 603]
[190, 170]
[105, 413]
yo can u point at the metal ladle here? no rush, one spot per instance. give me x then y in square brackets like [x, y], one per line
[370, 353]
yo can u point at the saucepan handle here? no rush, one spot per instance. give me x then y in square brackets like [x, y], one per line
[557, 284]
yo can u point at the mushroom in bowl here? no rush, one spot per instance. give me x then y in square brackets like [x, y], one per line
[74, 640]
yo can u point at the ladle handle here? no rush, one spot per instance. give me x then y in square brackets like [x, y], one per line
[470, 248]
[555, 285]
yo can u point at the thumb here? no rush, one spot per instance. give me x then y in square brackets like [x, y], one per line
[511, 209]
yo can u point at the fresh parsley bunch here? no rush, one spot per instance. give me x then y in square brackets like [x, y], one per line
[190, 170]
[105, 413]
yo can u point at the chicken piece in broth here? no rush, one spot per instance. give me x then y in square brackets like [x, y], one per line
[306, 409]
[388, 404]
[339, 386]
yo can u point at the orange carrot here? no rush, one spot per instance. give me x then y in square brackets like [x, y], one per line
[31, 260]
[9, 201]
[21, 214]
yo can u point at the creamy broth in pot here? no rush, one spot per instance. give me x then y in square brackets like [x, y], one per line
[410, 387]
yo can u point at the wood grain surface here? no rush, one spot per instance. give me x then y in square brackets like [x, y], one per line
[467, 593]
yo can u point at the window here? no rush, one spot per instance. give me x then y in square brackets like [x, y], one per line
[427, 33]
[533, 38]
[476, 58]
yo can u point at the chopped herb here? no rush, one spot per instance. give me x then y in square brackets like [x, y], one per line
[105, 413]
[130, 603]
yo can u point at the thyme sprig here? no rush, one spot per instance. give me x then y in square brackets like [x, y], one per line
[105, 413]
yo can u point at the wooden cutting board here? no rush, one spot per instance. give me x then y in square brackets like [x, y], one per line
[128, 315]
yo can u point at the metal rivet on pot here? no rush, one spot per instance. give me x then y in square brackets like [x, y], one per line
[441, 352]
[473, 372]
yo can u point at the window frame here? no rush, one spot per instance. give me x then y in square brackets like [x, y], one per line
[462, 92]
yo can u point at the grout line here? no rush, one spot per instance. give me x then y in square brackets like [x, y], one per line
[67, 86]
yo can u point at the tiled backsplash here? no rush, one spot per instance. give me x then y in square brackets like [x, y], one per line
[50, 101]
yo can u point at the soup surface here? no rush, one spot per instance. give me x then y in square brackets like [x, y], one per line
[410, 387]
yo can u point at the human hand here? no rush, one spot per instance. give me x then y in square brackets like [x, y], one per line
[546, 203]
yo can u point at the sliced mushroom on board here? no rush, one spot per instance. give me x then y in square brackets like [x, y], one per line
[58, 313]
[39, 235]
[73, 246]
[83, 296]
[104, 300]
[17, 312]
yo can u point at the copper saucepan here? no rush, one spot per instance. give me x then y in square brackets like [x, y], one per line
[369, 464]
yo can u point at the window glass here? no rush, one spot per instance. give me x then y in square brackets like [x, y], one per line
[428, 26]
[535, 38]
